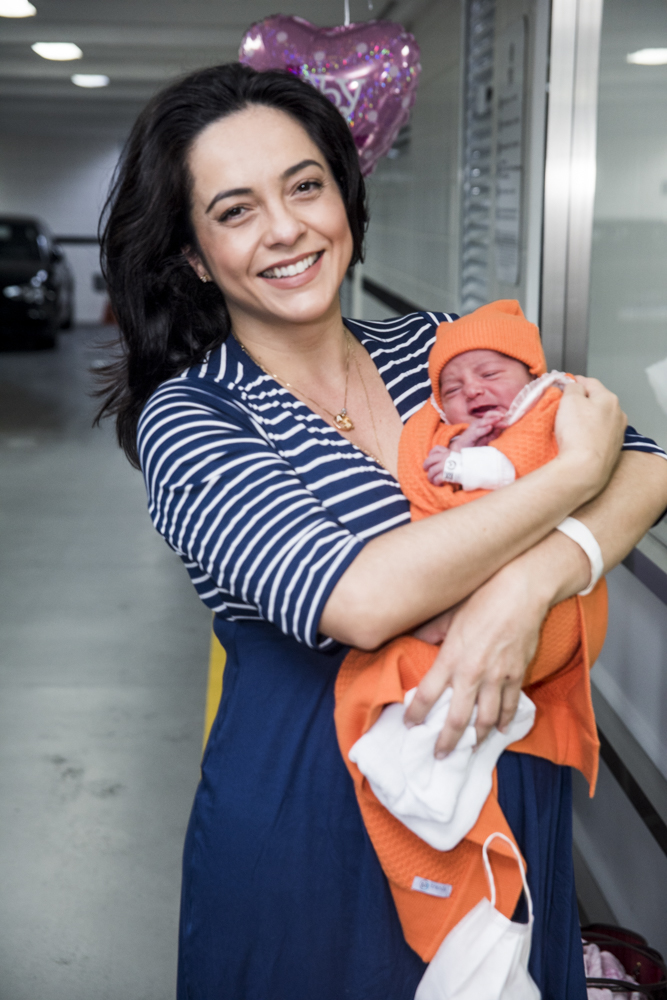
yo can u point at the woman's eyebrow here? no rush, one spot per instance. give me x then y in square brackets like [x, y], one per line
[227, 194]
[285, 174]
[299, 166]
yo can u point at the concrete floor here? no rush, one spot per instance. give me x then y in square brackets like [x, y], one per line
[103, 664]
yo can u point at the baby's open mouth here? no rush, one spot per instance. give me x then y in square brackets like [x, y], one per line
[291, 270]
[479, 411]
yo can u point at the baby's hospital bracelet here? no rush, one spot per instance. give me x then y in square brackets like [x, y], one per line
[585, 538]
[452, 467]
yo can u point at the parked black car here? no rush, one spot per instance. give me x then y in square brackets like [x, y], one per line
[36, 284]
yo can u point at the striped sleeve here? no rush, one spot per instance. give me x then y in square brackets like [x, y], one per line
[634, 441]
[237, 513]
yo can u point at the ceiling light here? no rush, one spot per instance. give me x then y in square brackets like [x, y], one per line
[60, 51]
[90, 80]
[648, 57]
[17, 8]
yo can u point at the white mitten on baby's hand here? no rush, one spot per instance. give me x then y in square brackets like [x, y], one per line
[484, 469]
[472, 468]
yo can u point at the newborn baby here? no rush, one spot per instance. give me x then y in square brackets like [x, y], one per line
[477, 388]
[490, 420]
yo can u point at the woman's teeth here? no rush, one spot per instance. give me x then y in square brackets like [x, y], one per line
[292, 269]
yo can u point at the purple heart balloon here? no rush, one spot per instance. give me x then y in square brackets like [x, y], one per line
[369, 71]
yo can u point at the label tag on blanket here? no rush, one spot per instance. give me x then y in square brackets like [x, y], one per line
[440, 889]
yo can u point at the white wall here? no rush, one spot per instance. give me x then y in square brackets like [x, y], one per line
[64, 181]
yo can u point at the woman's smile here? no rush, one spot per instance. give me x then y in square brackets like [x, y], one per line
[293, 273]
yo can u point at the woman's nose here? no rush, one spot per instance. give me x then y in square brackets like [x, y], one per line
[284, 227]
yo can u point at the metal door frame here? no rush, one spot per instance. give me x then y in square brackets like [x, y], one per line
[569, 181]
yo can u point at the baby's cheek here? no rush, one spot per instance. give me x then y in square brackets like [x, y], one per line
[509, 394]
[455, 411]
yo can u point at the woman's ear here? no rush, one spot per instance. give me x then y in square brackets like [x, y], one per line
[196, 263]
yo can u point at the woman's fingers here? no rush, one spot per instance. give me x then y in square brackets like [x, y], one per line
[496, 707]
[460, 712]
[591, 424]
[425, 698]
[489, 703]
[591, 386]
[509, 704]
[431, 686]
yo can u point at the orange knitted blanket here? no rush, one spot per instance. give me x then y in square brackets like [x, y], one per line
[557, 681]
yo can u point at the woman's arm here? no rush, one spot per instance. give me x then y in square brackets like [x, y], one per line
[411, 574]
[488, 645]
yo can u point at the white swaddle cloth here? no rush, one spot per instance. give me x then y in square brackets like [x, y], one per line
[439, 800]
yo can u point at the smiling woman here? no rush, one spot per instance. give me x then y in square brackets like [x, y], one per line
[267, 430]
[228, 212]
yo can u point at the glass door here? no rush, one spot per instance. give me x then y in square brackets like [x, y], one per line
[627, 338]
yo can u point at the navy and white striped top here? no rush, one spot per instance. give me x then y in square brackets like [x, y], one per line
[266, 503]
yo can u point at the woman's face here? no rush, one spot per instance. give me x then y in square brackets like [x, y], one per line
[269, 218]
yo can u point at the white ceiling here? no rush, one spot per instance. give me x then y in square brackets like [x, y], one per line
[140, 45]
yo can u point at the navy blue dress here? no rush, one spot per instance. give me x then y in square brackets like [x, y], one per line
[283, 896]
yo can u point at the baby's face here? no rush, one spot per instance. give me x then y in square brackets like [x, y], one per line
[477, 383]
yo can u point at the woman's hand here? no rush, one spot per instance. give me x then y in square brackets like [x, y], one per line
[589, 428]
[489, 640]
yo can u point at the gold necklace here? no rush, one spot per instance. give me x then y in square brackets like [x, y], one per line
[342, 420]
[380, 460]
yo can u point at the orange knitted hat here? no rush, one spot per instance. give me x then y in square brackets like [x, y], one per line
[498, 326]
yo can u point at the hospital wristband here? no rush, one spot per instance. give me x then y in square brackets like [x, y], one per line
[452, 467]
[586, 540]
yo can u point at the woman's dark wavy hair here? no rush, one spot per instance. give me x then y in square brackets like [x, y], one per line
[168, 318]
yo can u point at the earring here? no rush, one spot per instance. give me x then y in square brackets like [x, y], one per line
[204, 278]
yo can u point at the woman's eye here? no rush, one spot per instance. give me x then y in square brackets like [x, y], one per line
[305, 187]
[232, 213]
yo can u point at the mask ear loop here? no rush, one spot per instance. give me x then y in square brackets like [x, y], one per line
[489, 873]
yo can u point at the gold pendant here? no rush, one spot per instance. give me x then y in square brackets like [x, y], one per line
[343, 422]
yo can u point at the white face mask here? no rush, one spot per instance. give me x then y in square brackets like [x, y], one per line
[485, 957]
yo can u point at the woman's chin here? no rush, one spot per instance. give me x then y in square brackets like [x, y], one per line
[304, 305]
